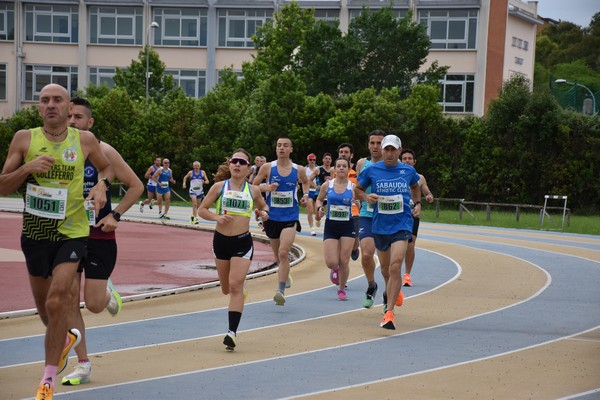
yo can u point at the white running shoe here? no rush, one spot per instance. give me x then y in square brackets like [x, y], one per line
[230, 341]
[81, 374]
[115, 303]
[279, 298]
[313, 233]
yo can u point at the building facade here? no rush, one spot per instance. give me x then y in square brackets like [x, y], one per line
[77, 42]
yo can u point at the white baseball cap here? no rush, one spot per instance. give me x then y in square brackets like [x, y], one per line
[391, 140]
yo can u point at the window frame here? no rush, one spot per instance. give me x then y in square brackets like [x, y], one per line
[99, 15]
[469, 38]
[163, 14]
[3, 81]
[33, 72]
[197, 76]
[101, 75]
[225, 17]
[34, 13]
[7, 18]
[467, 87]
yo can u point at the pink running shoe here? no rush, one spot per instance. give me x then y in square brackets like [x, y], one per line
[334, 276]
[342, 295]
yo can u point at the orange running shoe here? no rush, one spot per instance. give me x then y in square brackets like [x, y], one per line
[406, 281]
[44, 392]
[400, 299]
[388, 320]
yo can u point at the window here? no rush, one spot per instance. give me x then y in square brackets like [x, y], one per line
[327, 15]
[102, 76]
[116, 25]
[236, 27]
[38, 76]
[193, 82]
[55, 24]
[180, 27]
[7, 20]
[454, 29]
[456, 94]
[3, 81]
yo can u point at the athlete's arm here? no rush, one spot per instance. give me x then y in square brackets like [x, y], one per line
[14, 172]
[425, 190]
[259, 203]
[92, 151]
[148, 174]
[305, 188]
[185, 178]
[263, 174]
[127, 176]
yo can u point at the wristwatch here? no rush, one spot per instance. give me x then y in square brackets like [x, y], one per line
[116, 215]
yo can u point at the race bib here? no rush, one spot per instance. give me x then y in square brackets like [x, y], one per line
[196, 188]
[370, 207]
[339, 213]
[234, 201]
[90, 211]
[46, 202]
[390, 204]
[164, 184]
[282, 199]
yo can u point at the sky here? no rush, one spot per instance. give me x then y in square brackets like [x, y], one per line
[579, 12]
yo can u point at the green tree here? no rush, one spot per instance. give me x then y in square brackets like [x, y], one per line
[133, 78]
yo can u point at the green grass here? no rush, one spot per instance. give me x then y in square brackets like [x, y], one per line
[504, 219]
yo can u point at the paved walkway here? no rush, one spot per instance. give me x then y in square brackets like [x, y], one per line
[493, 313]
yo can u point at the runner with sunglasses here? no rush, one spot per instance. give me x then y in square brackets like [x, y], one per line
[235, 200]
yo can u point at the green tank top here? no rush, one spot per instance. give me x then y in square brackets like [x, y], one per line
[54, 202]
[235, 202]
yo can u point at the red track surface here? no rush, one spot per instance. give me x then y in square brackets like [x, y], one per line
[151, 257]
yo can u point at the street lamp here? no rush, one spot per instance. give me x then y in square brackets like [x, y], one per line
[564, 81]
[153, 25]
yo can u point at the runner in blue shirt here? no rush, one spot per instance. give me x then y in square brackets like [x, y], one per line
[393, 184]
[282, 176]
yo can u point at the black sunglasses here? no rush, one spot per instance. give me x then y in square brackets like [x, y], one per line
[240, 161]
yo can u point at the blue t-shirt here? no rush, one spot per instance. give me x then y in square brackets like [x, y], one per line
[283, 202]
[392, 212]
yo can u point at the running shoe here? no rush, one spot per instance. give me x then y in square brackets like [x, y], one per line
[115, 303]
[141, 206]
[74, 337]
[370, 297]
[81, 374]
[342, 295]
[313, 233]
[279, 298]
[151, 204]
[229, 341]
[354, 254]
[334, 276]
[406, 280]
[260, 225]
[400, 299]
[289, 281]
[165, 216]
[192, 219]
[44, 392]
[388, 320]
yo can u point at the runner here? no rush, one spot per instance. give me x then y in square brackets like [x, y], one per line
[407, 156]
[340, 230]
[197, 179]
[151, 185]
[282, 177]
[367, 244]
[232, 243]
[50, 161]
[163, 176]
[393, 184]
[99, 294]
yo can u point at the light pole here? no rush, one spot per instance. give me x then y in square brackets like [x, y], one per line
[153, 25]
[564, 81]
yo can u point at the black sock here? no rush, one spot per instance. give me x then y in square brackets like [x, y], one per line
[234, 320]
